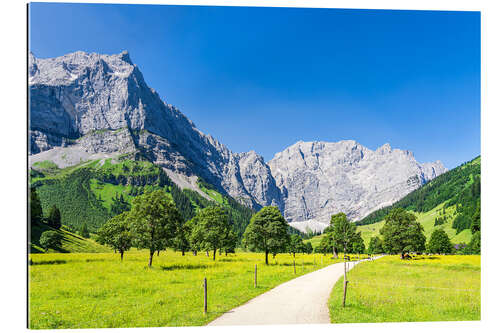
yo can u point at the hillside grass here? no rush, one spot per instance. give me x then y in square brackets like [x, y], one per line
[437, 288]
[427, 220]
[97, 290]
[71, 242]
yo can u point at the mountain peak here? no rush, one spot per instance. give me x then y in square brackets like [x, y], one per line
[125, 56]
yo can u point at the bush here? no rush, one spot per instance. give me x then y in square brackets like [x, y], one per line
[50, 240]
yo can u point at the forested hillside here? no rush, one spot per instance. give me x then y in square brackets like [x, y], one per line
[92, 192]
[459, 188]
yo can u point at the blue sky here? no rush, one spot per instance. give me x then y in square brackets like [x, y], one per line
[265, 78]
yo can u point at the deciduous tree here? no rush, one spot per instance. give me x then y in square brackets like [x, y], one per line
[267, 232]
[50, 240]
[154, 220]
[402, 233]
[439, 242]
[210, 227]
[116, 234]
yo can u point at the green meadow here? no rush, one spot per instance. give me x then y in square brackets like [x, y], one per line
[77, 290]
[437, 288]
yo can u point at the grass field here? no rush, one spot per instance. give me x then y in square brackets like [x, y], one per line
[438, 288]
[76, 290]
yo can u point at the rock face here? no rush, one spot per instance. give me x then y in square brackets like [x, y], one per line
[85, 106]
[318, 179]
[81, 101]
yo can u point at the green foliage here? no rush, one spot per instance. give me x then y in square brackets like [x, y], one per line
[296, 245]
[154, 221]
[267, 232]
[475, 243]
[84, 231]
[36, 213]
[116, 234]
[119, 205]
[229, 242]
[72, 195]
[402, 233]
[210, 228]
[476, 220]
[439, 242]
[50, 240]
[308, 248]
[325, 245]
[460, 186]
[358, 245]
[54, 218]
[181, 239]
[343, 233]
[439, 221]
[375, 246]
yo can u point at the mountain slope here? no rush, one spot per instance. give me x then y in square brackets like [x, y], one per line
[319, 179]
[100, 105]
[92, 107]
[460, 186]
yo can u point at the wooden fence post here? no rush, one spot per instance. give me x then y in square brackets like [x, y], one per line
[294, 272]
[255, 277]
[205, 304]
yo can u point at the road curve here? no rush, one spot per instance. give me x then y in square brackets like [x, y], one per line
[299, 301]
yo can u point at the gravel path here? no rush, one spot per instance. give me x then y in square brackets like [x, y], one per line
[299, 301]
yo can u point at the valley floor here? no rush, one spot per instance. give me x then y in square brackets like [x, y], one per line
[91, 290]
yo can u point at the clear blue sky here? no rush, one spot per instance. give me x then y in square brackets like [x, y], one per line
[265, 78]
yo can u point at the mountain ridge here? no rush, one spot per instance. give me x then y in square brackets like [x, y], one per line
[90, 106]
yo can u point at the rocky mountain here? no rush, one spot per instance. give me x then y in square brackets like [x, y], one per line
[86, 106]
[318, 179]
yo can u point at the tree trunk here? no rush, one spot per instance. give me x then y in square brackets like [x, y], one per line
[158, 253]
[195, 253]
[267, 253]
[121, 255]
[151, 253]
[208, 255]
[215, 251]
[335, 255]
[183, 253]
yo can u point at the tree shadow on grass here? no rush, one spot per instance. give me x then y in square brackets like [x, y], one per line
[425, 258]
[48, 262]
[185, 266]
[297, 264]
